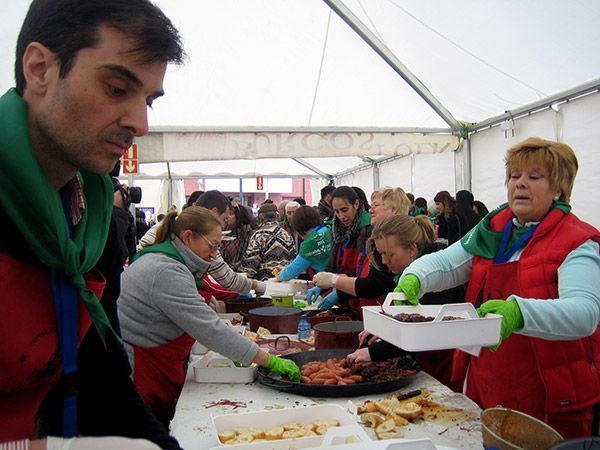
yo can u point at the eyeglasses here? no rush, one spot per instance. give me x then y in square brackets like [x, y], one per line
[211, 245]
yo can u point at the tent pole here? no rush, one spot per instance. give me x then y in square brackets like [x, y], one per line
[388, 56]
[241, 194]
[170, 189]
[376, 177]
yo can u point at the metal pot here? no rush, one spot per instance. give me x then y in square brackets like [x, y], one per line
[338, 334]
[236, 305]
[330, 315]
[276, 319]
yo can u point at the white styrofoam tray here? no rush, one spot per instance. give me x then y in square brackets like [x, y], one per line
[278, 417]
[294, 287]
[469, 334]
[215, 368]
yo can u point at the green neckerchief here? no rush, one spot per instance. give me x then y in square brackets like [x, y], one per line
[36, 209]
[482, 241]
[168, 249]
[317, 246]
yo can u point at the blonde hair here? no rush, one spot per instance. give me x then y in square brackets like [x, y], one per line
[405, 229]
[557, 158]
[392, 198]
[195, 218]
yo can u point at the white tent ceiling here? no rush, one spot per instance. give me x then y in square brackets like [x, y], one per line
[295, 63]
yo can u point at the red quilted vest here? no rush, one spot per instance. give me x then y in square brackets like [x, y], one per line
[568, 369]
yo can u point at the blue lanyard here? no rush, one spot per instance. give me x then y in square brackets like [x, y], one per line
[361, 261]
[341, 256]
[65, 301]
[505, 254]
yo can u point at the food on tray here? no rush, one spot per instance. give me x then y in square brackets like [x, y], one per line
[287, 431]
[262, 331]
[389, 370]
[416, 317]
[251, 335]
[381, 414]
[273, 434]
[333, 371]
[337, 372]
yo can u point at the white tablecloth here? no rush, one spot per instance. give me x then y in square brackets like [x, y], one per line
[193, 428]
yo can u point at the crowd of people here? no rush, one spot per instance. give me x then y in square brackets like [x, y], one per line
[102, 358]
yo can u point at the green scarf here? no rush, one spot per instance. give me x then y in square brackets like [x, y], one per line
[168, 249]
[482, 241]
[35, 207]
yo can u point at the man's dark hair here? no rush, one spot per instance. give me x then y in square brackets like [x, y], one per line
[300, 201]
[327, 190]
[214, 199]
[305, 218]
[193, 197]
[67, 26]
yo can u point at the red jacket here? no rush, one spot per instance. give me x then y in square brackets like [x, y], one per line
[567, 369]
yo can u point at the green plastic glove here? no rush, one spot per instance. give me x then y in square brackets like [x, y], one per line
[512, 318]
[409, 286]
[284, 367]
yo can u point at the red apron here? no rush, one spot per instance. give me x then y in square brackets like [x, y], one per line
[29, 355]
[347, 259]
[509, 376]
[159, 374]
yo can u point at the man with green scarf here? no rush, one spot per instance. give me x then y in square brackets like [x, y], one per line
[86, 72]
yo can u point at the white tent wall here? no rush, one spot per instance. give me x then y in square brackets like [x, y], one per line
[363, 178]
[397, 172]
[575, 123]
[431, 173]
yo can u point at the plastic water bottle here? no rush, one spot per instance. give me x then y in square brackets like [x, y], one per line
[303, 327]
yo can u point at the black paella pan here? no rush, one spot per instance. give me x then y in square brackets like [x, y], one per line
[275, 380]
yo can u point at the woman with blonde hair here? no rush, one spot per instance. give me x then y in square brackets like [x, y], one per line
[400, 240]
[162, 314]
[533, 262]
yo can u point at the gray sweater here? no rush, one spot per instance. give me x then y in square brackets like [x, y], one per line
[159, 301]
[218, 268]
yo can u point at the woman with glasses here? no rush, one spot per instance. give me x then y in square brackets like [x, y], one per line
[162, 314]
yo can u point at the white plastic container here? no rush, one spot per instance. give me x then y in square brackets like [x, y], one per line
[468, 334]
[199, 349]
[268, 419]
[215, 368]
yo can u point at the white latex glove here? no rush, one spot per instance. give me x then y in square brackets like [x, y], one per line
[359, 356]
[99, 443]
[325, 280]
[260, 288]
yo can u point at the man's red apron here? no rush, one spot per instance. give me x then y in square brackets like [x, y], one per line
[491, 377]
[159, 374]
[30, 359]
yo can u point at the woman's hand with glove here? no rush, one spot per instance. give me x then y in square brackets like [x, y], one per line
[313, 294]
[325, 280]
[330, 301]
[512, 318]
[284, 366]
[260, 288]
[409, 286]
